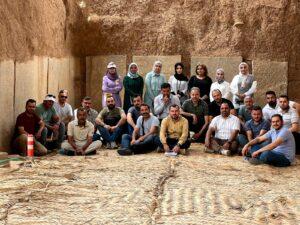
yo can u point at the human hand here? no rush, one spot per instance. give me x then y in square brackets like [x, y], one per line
[176, 149]
[245, 150]
[207, 142]
[195, 119]
[166, 148]
[255, 154]
[226, 145]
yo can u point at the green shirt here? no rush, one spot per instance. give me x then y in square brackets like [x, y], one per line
[110, 117]
[45, 115]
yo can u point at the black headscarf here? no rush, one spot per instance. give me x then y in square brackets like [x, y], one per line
[180, 77]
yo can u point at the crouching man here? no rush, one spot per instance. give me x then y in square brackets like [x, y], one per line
[144, 137]
[80, 134]
[280, 152]
[27, 123]
[174, 132]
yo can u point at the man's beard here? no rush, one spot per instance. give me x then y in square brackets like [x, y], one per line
[111, 106]
[272, 104]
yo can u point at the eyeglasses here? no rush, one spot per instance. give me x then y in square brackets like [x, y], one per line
[63, 96]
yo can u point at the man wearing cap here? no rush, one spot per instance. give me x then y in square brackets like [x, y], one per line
[53, 125]
[63, 109]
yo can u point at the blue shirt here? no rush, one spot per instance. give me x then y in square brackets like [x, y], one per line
[256, 128]
[287, 148]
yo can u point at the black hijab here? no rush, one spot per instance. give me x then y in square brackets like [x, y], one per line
[180, 77]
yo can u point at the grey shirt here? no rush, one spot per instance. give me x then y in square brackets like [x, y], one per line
[91, 115]
[145, 125]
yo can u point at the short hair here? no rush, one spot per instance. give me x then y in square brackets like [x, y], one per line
[284, 96]
[217, 90]
[270, 93]
[136, 96]
[174, 106]
[165, 85]
[87, 98]
[30, 101]
[195, 89]
[226, 103]
[256, 108]
[145, 105]
[277, 115]
[81, 109]
[62, 91]
[203, 67]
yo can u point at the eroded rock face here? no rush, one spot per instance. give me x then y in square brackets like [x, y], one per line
[258, 29]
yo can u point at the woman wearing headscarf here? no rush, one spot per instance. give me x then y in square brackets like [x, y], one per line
[202, 81]
[242, 85]
[112, 85]
[133, 84]
[179, 83]
[221, 85]
[153, 81]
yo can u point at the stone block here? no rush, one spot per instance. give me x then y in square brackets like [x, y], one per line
[77, 84]
[145, 64]
[229, 64]
[26, 83]
[7, 103]
[95, 70]
[42, 78]
[270, 75]
[293, 91]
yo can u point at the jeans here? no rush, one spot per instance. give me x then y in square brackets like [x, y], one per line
[149, 144]
[130, 129]
[274, 159]
[110, 136]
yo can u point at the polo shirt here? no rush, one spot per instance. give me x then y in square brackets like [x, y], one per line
[45, 114]
[224, 127]
[245, 113]
[78, 133]
[135, 113]
[30, 123]
[91, 115]
[110, 116]
[287, 148]
[289, 117]
[256, 128]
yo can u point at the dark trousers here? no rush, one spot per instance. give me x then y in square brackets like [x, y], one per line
[172, 142]
[297, 142]
[149, 144]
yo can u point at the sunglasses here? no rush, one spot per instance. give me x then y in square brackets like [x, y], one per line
[63, 96]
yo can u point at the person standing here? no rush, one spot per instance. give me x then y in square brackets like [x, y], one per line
[133, 84]
[153, 81]
[112, 85]
[221, 85]
[202, 81]
[63, 109]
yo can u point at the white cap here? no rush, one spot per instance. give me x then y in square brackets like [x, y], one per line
[50, 98]
[111, 65]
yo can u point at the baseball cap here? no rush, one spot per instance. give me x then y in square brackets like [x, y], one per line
[111, 65]
[50, 97]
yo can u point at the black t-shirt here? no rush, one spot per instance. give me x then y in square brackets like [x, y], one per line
[214, 107]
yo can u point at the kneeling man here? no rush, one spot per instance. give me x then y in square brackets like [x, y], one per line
[280, 152]
[80, 134]
[174, 132]
[144, 137]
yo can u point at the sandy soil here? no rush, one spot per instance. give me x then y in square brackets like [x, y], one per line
[149, 189]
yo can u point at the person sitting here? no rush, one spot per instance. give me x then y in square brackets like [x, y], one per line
[80, 134]
[195, 110]
[214, 106]
[163, 101]
[272, 105]
[179, 83]
[226, 128]
[110, 121]
[280, 152]
[245, 110]
[92, 114]
[53, 125]
[174, 132]
[134, 113]
[254, 128]
[27, 123]
[63, 109]
[290, 119]
[221, 85]
[144, 135]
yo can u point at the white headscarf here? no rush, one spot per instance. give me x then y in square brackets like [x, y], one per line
[133, 75]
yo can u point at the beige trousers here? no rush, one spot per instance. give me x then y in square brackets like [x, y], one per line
[93, 146]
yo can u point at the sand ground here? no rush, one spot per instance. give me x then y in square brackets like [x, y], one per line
[149, 189]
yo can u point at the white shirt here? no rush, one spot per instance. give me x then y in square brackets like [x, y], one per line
[224, 127]
[63, 111]
[177, 85]
[268, 111]
[289, 117]
[160, 109]
[223, 87]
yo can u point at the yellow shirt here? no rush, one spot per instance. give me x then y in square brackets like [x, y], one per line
[174, 129]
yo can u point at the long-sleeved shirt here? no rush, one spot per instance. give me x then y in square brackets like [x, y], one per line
[161, 110]
[112, 87]
[177, 129]
[224, 87]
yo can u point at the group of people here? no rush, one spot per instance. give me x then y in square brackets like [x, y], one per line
[167, 118]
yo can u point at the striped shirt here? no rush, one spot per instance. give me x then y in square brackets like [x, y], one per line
[224, 127]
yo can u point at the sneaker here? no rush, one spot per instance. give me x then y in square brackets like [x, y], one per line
[113, 145]
[108, 146]
[125, 151]
[225, 152]
[255, 161]
[208, 150]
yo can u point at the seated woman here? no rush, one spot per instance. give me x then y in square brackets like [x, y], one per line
[153, 81]
[133, 84]
[242, 85]
[179, 83]
[221, 85]
[111, 85]
[202, 81]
